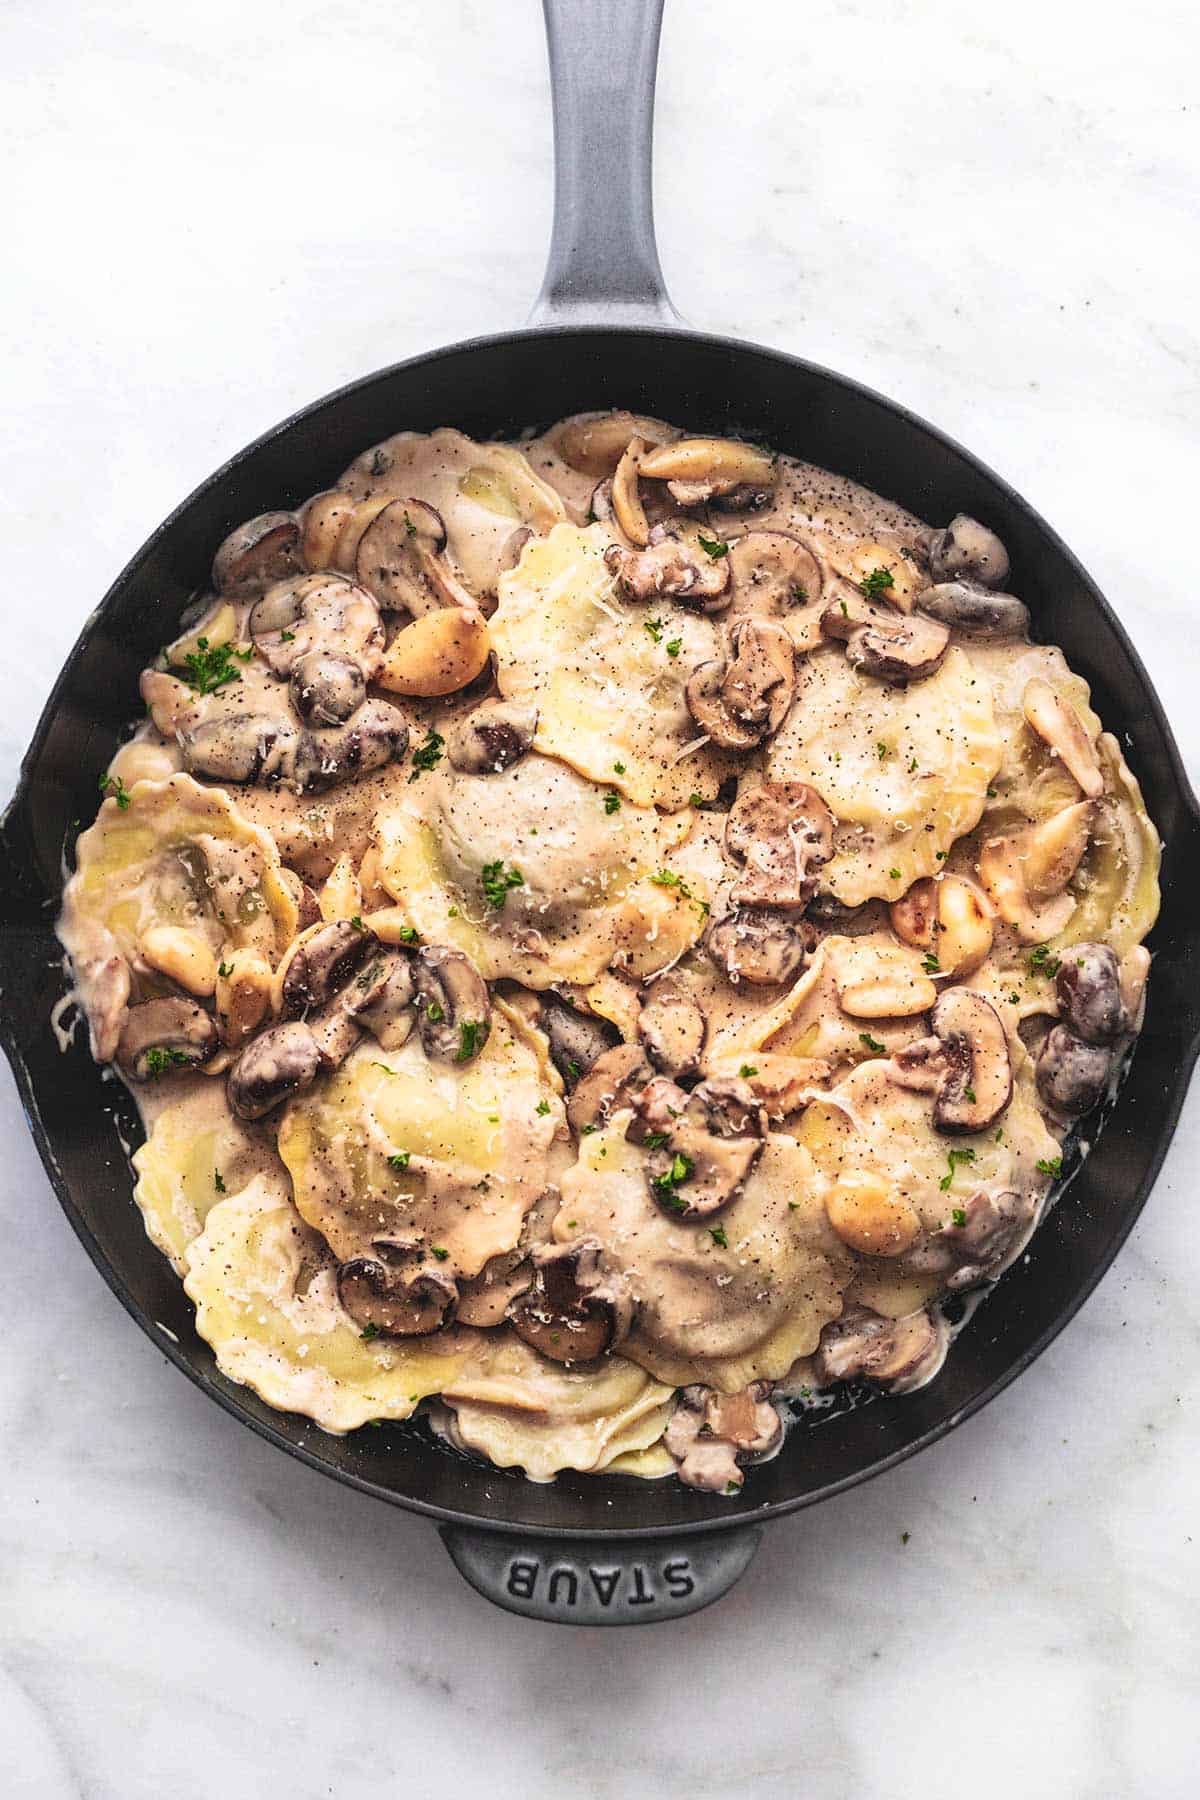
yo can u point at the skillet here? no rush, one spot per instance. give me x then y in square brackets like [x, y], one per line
[603, 334]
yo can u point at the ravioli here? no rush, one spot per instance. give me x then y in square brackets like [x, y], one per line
[195, 1153]
[484, 493]
[904, 770]
[606, 675]
[519, 1410]
[583, 890]
[265, 1291]
[472, 1144]
[721, 1313]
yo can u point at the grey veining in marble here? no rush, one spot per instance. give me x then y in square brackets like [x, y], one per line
[214, 213]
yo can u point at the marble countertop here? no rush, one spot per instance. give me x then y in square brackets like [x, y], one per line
[215, 214]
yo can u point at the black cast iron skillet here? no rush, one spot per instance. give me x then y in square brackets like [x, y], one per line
[610, 1550]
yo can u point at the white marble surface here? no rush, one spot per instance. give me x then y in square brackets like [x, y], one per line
[214, 213]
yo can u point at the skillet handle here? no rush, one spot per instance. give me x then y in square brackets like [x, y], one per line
[603, 265]
[601, 1581]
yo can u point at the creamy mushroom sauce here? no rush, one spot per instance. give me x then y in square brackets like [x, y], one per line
[607, 935]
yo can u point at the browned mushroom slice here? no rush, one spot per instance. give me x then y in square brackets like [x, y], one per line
[893, 647]
[773, 574]
[321, 964]
[977, 612]
[671, 1026]
[700, 469]
[596, 446]
[242, 747]
[967, 548]
[758, 945]
[162, 1036]
[399, 560]
[675, 565]
[275, 1065]
[326, 689]
[898, 1354]
[491, 738]
[1072, 1076]
[572, 1312]
[325, 516]
[576, 1039]
[782, 832]
[980, 1241]
[741, 702]
[1088, 985]
[613, 1080]
[967, 1062]
[317, 613]
[454, 1011]
[949, 917]
[711, 1435]
[703, 1145]
[627, 506]
[382, 998]
[376, 735]
[396, 1302]
[262, 551]
[1060, 727]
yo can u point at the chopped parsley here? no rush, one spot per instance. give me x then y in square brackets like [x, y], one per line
[1043, 961]
[469, 1039]
[384, 1067]
[218, 1181]
[717, 1234]
[714, 547]
[208, 668]
[959, 1216]
[497, 883]
[224, 970]
[969, 1096]
[912, 767]
[409, 526]
[654, 1140]
[873, 1044]
[747, 1070]
[435, 1012]
[357, 923]
[953, 1158]
[439, 1252]
[369, 1332]
[427, 755]
[664, 1185]
[542, 1108]
[695, 799]
[799, 592]
[991, 792]
[845, 609]
[667, 878]
[400, 1159]
[674, 647]
[612, 803]
[618, 768]
[877, 582]
[1051, 1166]
[654, 627]
[159, 1059]
[288, 637]
[882, 750]
[407, 934]
[113, 785]
[893, 874]
[930, 963]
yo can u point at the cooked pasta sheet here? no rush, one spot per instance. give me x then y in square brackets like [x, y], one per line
[606, 933]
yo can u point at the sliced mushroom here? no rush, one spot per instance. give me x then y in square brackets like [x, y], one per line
[243, 995]
[382, 999]
[242, 747]
[703, 1145]
[674, 565]
[362, 515]
[262, 551]
[454, 1011]
[182, 955]
[1003, 864]
[894, 647]
[966, 1063]
[440, 653]
[627, 506]
[326, 689]
[711, 1435]
[882, 981]
[967, 548]
[376, 735]
[781, 832]
[758, 945]
[162, 1036]
[993, 1227]
[275, 1065]
[325, 516]
[1088, 985]
[975, 611]
[596, 446]
[317, 613]
[949, 917]
[572, 1312]
[1061, 728]
[576, 1039]
[407, 1301]
[491, 738]
[1072, 1075]
[773, 574]
[700, 469]
[897, 1354]
[321, 964]
[741, 702]
[613, 1081]
[671, 1026]
[399, 559]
